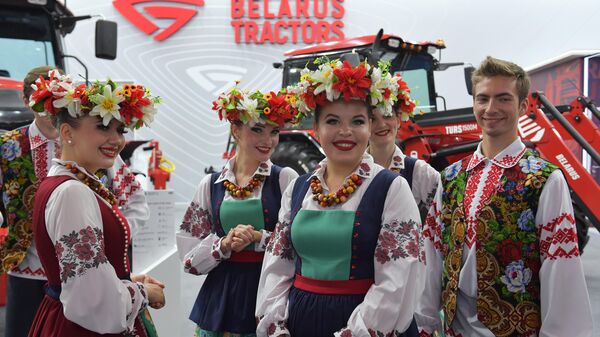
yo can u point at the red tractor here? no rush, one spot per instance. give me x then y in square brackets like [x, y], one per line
[442, 136]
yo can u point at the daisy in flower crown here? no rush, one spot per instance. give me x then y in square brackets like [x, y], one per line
[130, 104]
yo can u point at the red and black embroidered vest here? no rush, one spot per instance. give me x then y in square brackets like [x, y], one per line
[19, 184]
[507, 246]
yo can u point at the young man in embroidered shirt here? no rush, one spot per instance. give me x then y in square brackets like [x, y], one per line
[500, 237]
[27, 154]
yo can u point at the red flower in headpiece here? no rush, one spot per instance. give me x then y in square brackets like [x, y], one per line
[134, 102]
[352, 82]
[280, 109]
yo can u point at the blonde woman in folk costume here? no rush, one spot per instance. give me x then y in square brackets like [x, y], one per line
[421, 177]
[225, 229]
[345, 258]
[81, 235]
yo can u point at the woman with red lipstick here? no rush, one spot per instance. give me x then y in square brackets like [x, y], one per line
[421, 177]
[80, 233]
[345, 258]
[226, 227]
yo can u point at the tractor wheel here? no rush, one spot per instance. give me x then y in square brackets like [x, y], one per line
[300, 156]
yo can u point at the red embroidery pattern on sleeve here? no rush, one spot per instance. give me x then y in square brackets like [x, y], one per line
[558, 238]
[196, 221]
[398, 240]
[124, 185]
[79, 251]
[280, 243]
[276, 329]
[432, 229]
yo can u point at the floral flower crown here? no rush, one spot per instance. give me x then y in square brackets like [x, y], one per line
[131, 105]
[335, 79]
[237, 105]
[404, 104]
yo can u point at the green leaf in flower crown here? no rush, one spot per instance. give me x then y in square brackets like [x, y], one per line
[38, 107]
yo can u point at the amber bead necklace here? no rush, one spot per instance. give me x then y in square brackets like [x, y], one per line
[339, 197]
[239, 192]
[93, 184]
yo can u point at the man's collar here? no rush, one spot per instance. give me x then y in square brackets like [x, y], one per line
[36, 137]
[507, 158]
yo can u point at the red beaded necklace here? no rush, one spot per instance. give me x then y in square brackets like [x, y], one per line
[246, 191]
[339, 197]
[92, 183]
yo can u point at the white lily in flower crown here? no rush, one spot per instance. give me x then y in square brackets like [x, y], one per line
[324, 76]
[249, 105]
[68, 100]
[149, 112]
[107, 104]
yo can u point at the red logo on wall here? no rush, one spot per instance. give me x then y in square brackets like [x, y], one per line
[181, 15]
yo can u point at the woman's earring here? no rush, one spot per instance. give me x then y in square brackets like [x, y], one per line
[69, 141]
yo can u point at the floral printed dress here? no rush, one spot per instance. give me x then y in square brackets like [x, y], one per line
[83, 241]
[227, 299]
[551, 274]
[353, 269]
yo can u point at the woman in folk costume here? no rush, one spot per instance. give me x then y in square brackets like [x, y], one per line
[231, 217]
[421, 177]
[81, 235]
[345, 258]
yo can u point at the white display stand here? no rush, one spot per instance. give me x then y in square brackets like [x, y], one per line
[155, 237]
[155, 254]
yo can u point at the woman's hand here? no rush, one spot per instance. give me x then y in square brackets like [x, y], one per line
[156, 295]
[238, 238]
[257, 236]
[143, 278]
[227, 241]
[244, 236]
[154, 289]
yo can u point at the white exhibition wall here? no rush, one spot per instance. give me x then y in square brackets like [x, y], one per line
[191, 67]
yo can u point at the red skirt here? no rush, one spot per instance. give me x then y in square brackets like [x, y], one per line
[50, 321]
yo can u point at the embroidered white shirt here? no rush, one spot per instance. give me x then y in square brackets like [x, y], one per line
[91, 293]
[565, 306]
[199, 248]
